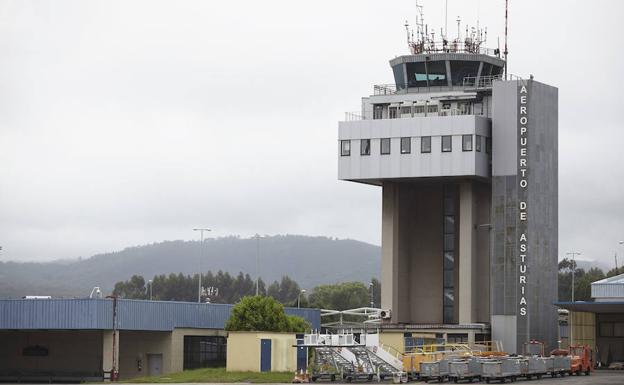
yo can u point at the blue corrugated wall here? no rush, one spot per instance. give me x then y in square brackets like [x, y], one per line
[131, 314]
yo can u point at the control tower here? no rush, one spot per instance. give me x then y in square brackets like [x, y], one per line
[466, 158]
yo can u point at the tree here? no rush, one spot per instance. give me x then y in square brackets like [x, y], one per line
[342, 296]
[134, 288]
[260, 313]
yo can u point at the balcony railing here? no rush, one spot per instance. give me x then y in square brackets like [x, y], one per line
[471, 82]
[482, 82]
[355, 116]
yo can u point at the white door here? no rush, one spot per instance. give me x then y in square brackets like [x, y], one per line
[154, 364]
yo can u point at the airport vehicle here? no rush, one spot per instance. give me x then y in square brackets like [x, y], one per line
[581, 360]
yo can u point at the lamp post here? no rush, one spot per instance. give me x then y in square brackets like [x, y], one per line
[616, 265]
[199, 286]
[150, 283]
[371, 288]
[299, 297]
[573, 254]
[257, 236]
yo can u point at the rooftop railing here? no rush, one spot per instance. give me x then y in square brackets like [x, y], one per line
[468, 46]
[470, 82]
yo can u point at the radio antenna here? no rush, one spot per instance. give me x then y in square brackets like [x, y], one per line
[446, 21]
[506, 53]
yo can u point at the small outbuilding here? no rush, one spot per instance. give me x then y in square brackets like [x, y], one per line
[598, 323]
[265, 352]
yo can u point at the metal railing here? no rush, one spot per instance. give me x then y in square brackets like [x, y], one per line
[351, 116]
[452, 47]
[482, 82]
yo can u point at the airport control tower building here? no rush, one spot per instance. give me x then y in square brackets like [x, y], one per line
[466, 157]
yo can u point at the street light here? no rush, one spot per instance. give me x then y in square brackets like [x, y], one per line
[299, 297]
[573, 254]
[372, 298]
[199, 286]
[257, 236]
[150, 285]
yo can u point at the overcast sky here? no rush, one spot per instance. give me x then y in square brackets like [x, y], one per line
[131, 122]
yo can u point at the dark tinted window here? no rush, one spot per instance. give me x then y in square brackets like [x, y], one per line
[434, 71]
[399, 80]
[425, 144]
[204, 352]
[466, 142]
[447, 143]
[385, 146]
[365, 147]
[406, 145]
[478, 143]
[461, 69]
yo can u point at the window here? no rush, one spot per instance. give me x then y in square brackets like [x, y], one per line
[377, 111]
[448, 253]
[478, 143]
[365, 147]
[204, 352]
[488, 145]
[432, 109]
[419, 109]
[431, 73]
[406, 110]
[425, 144]
[385, 146]
[466, 142]
[447, 143]
[393, 112]
[406, 145]
[345, 148]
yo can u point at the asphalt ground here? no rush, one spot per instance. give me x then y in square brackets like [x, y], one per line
[600, 377]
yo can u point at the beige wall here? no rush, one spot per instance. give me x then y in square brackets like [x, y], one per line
[243, 351]
[135, 345]
[68, 351]
[393, 339]
[582, 327]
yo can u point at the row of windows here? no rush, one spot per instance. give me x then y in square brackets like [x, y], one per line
[425, 145]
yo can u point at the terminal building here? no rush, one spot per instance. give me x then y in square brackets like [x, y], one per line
[466, 158]
[60, 340]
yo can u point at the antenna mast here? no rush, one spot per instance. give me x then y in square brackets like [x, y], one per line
[506, 51]
[446, 21]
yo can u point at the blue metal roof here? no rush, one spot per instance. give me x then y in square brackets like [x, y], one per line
[131, 314]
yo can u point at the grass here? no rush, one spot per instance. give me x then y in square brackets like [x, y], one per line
[217, 375]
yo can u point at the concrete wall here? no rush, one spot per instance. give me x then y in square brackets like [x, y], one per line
[134, 346]
[412, 251]
[68, 351]
[243, 351]
[415, 164]
[541, 226]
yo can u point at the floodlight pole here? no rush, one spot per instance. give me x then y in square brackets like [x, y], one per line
[257, 236]
[573, 254]
[199, 286]
[299, 297]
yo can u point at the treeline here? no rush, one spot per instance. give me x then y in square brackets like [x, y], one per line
[225, 288]
[582, 280]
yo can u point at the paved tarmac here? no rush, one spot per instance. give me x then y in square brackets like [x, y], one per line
[601, 377]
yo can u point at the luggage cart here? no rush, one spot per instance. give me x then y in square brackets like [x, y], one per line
[436, 370]
[501, 370]
[465, 370]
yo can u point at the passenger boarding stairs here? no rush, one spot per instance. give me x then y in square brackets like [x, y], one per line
[354, 360]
